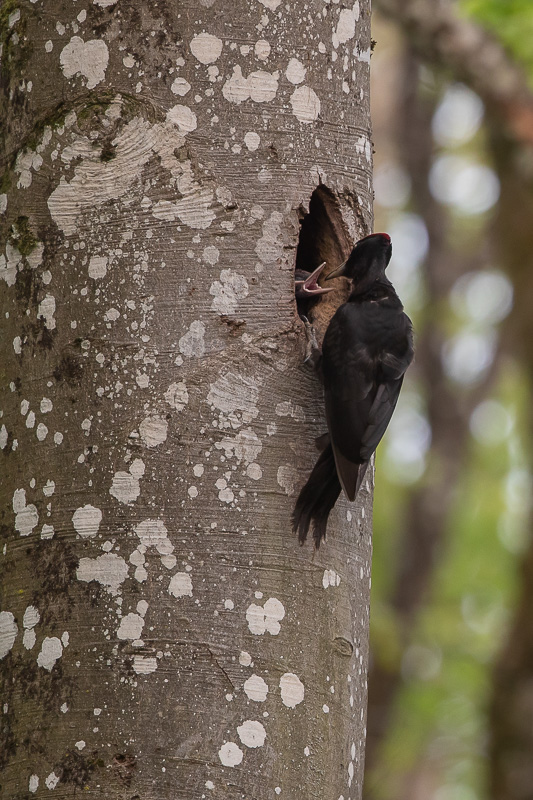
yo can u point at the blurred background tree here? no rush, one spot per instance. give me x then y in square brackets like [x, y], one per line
[451, 685]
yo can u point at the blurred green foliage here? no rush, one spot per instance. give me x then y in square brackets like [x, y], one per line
[440, 718]
[511, 21]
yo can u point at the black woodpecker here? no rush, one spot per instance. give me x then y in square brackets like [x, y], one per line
[367, 348]
[307, 290]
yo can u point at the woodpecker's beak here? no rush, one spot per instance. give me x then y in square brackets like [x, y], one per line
[337, 273]
[310, 285]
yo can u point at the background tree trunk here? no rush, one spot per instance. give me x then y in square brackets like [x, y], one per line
[161, 633]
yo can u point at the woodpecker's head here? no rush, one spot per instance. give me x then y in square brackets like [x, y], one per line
[367, 261]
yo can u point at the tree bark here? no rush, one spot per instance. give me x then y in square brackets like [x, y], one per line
[161, 633]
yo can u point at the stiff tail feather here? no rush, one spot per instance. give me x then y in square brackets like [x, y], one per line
[317, 498]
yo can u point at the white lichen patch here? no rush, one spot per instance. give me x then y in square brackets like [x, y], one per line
[211, 255]
[88, 59]
[125, 486]
[153, 430]
[183, 118]
[245, 659]
[225, 494]
[26, 516]
[362, 145]
[288, 478]
[86, 521]
[144, 665]
[177, 395]
[109, 569]
[259, 86]
[194, 207]
[31, 617]
[363, 56]
[230, 754]
[345, 29]
[267, 618]
[51, 650]
[142, 607]
[33, 783]
[96, 182]
[206, 48]
[13, 18]
[305, 104]
[236, 397]
[252, 733]
[256, 688]
[46, 405]
[130, 627]
[269, 247]
[254, 472]
[252, 140]
[29, 621]
[292, 689]
[295, 72]
[330, 578]
[35, 258]
[289, 409]
[180, 87]
[9, 264]
[245, 446]
[8, 632]
[29, 639]
[271, 4]
[153, 533]
[27, 161]
[180, 585]
[192, 344]
[51, 781]
[97, 267]
[227, 292]
[47, 531]
[46, 311]
[262, 49]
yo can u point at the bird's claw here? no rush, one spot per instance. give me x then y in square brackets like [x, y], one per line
[312, 349]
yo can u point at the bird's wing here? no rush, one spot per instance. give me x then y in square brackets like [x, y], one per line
[349, 400]
[350, 474]
[361, 392]
[380, 415]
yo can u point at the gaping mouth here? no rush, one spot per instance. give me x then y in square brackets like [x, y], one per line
[310, 284]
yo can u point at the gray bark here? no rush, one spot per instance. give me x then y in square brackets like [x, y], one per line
[161, 632]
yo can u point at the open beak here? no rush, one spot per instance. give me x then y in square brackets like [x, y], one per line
[337, 273]
[310, 284]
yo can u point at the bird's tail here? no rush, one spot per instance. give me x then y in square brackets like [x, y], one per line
[317, 498]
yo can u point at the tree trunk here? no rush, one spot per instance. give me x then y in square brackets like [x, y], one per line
[162, 635]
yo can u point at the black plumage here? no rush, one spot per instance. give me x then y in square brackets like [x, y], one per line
[367, 348]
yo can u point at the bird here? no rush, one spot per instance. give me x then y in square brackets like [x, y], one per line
[367, 348]
[307, 290]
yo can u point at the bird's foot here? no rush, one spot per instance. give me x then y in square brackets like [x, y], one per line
[312, 349]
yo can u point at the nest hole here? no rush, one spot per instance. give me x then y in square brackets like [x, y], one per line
[323, 234]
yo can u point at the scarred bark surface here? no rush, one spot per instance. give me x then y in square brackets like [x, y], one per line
[161, 632]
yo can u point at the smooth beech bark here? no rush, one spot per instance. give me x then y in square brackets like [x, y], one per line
[162, 634]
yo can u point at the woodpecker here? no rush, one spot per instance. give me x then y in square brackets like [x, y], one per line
[307, 290]
[367, 348]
